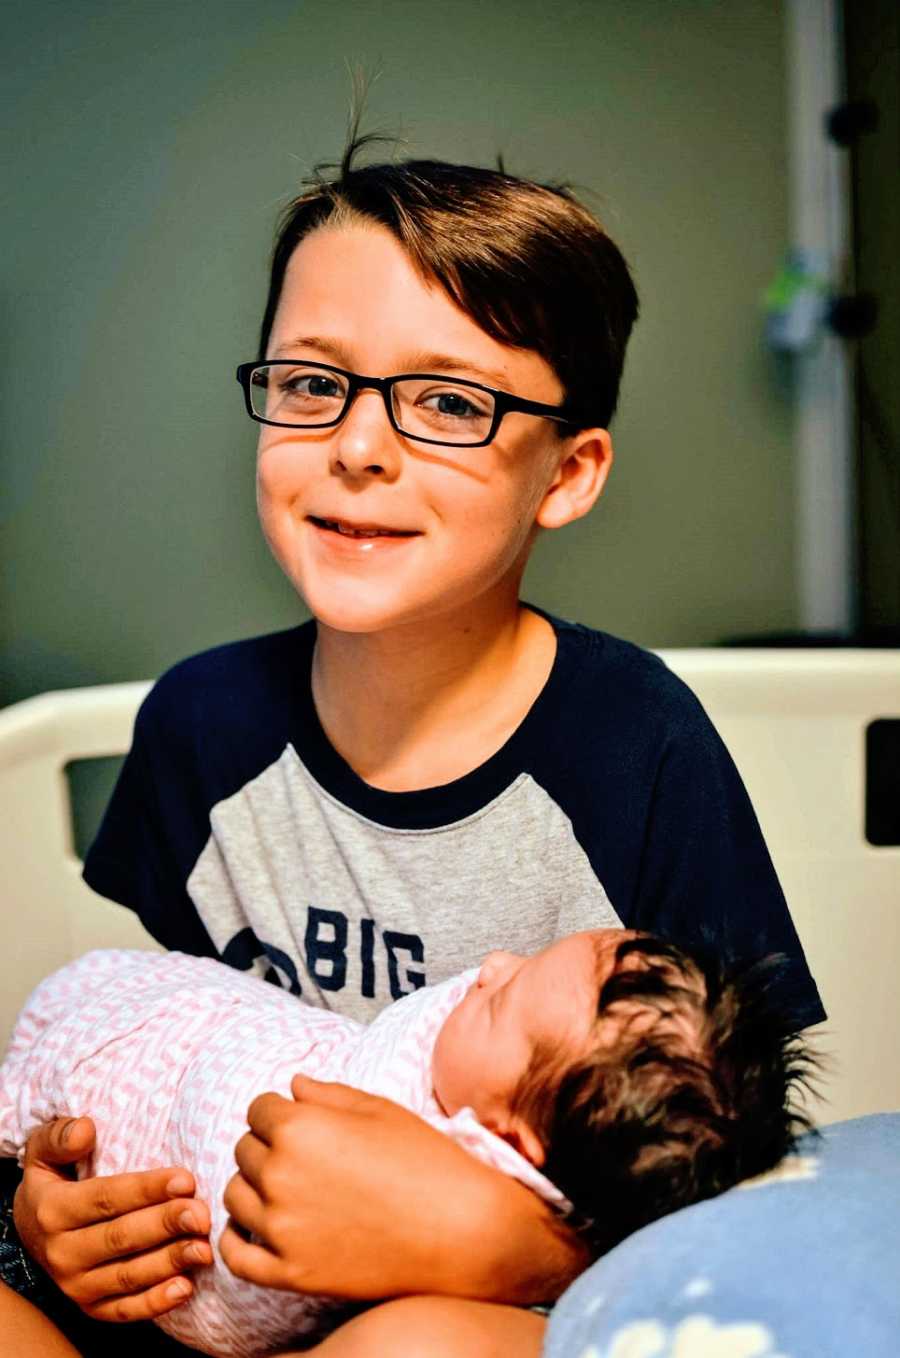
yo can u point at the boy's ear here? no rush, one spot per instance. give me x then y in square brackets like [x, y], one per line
[579, 479]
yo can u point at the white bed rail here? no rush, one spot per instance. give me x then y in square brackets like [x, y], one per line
[49, 915]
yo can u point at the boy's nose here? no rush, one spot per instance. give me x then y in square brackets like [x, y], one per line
[364, 441]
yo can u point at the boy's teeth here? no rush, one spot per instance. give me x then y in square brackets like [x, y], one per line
[348, 532]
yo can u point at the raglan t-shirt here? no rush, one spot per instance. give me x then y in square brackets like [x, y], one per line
[237, 831]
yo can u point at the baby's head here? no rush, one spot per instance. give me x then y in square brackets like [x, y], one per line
[637, 1077]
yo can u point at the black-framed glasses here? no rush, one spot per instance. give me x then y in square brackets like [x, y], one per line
[451, 411]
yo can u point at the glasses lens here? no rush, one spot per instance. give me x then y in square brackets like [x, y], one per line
[438, 408]
[297, 394]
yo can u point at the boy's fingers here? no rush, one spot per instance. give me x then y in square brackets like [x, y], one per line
[60, 1143]
[303, 1087]
[142, 1272]
[157, 1301]
[250, 1261]
[250, 1155]
[93, 1200]
[142, 1230]
[243, 1203]
[265, 1113]
[328, 1093]
[269, 1111]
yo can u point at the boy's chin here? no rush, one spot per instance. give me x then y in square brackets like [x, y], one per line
[357, 616]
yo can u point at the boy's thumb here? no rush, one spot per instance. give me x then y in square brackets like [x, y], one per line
[327, 1093]
[61, 1142]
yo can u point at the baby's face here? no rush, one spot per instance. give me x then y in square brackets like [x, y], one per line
[516, 1005]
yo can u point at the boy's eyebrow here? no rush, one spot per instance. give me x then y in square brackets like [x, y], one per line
[418, 362]
[449, 363]
[333, 348]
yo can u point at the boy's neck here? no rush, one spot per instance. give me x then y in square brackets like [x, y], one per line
[422, 705]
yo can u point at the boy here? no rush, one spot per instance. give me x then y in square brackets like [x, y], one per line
[374, 799]
[640, 1080]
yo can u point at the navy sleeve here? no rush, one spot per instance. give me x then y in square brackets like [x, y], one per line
[705, 876]
[142, 853]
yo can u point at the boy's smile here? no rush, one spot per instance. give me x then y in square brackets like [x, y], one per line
[342, 535]
[374, 529]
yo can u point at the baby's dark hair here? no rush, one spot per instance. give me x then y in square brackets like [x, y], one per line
[689, 1088]
[526, 261]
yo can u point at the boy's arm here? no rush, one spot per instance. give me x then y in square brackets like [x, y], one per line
[706, 878]
[347, 1194]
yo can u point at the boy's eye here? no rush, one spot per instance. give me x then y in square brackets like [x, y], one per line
[453, 404]
[298, 394]
[437, 410]
[311, 384]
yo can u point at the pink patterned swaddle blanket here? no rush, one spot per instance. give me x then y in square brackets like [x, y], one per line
[166, 1052]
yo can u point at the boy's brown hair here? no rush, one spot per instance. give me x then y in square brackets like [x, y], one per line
[529, 264]
[688, 1090]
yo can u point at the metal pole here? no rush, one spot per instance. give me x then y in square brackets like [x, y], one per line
[825, 501]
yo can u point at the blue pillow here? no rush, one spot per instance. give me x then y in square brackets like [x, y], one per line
[803, 1262]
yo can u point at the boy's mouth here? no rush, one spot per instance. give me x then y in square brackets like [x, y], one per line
[359, 530]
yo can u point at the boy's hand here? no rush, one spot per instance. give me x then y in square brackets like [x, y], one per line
[117, 1246]
[343, 1193]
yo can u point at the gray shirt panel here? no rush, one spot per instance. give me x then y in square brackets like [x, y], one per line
[305, 873]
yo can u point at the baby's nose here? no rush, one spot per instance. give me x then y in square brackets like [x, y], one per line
[495, 965]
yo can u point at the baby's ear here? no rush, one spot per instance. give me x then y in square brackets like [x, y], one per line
[521, 1137]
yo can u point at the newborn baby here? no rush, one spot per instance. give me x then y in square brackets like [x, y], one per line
[610, 1061]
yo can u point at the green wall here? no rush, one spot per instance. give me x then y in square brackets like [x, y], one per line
[149, 149]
